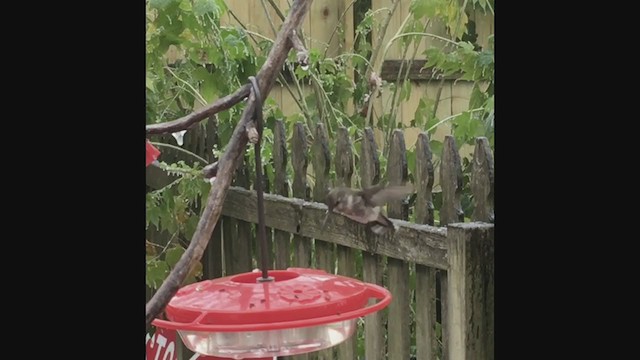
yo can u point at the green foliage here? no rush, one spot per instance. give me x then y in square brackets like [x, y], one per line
[212, 61]
[173, 209]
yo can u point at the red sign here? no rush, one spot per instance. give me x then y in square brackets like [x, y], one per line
[162, 346]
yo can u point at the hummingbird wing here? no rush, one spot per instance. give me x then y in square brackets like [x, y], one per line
[362, 214]
[378, 195]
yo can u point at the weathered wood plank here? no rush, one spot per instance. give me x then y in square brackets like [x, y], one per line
[374, 330]
[229, 234]
[482, 182]
[212, 258]
[451, 212]
[242, 245]
[266, 188]
[229, 228]
[442, 294]
[425, 276]
[321, 159]
[299, 161]
[324, 17]
[425, 313]
[471, 291]
[372, 264]
[370, 164]
[348, 24]
[421, 244]
[399, 335]
[344, 158]
[346, 255]
[484, 26]
[451, 183]
[281, 238]
[424, 181]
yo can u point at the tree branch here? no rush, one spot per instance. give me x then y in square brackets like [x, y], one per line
[186, 121]
[227, 163]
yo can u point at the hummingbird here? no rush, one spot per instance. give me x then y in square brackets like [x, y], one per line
[365, 206]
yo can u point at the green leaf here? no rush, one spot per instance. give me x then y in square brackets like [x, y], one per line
[205, 186]
[405, 92]
[424, 8]
[411, 161]
[190, 226]
[365, 25]
[208, 89]
[418, 8]
[477, 98]
[422, 112]
[153, 211]
[431, 124]
[435, 57]
[173, 255]
[149, 84]
[157, 271]
[457, 20]
[466, 45]
[461, 131]
[328, 65]
[201, 7]
[485, 58]
[301, 73]
[186, 6]
[200, 73]
[224, 132]
[436, 147]
[489, 105]
[353, 131]
[159, 4]
[153, 216]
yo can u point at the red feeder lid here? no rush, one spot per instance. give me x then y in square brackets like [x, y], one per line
[152, 153]
[296, 298]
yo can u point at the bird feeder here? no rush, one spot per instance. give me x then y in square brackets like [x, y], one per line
[275, 313]
[242, 317]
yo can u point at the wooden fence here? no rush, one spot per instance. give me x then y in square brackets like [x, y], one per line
[440, 275]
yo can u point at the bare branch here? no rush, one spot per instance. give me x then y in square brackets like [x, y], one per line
[187, 121]
[277, 9]
[227, 164]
